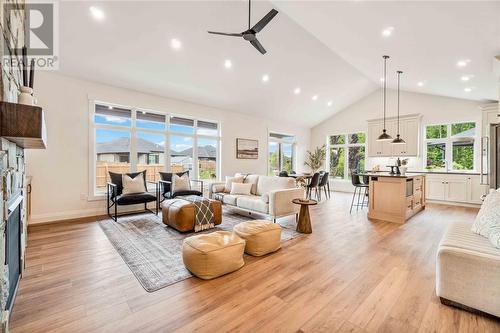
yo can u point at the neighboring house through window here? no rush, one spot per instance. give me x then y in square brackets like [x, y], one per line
[450, 146]
[129, 139]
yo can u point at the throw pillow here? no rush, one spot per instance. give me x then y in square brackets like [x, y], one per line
[167, 176]
[180, 183]
[133, 184]
[116, 178]
[241, 188]
[230, 181]
[487, 222]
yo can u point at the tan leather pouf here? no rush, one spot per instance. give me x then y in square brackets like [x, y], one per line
[211, 255]
[262, 236]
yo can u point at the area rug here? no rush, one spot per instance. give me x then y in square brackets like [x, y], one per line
[153, 251]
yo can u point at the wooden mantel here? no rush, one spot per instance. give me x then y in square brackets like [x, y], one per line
[23, 124]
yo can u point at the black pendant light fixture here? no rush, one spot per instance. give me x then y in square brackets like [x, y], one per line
[384, 136]
[398, 140]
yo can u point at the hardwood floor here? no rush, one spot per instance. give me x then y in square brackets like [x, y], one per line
[349, 275]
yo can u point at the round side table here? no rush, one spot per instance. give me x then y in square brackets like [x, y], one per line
[304, 222]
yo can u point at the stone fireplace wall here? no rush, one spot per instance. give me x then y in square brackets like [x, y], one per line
[12, 166]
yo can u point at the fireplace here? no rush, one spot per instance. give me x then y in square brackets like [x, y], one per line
[13, 246]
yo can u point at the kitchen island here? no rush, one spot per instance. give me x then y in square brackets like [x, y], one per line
[395, 198]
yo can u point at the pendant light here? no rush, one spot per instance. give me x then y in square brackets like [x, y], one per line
[384, 136]
[398, 140]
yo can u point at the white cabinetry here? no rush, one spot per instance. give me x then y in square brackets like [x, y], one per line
[454, 188]
[409, 129]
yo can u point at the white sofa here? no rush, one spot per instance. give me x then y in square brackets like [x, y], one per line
[270, 195]
[468, 270]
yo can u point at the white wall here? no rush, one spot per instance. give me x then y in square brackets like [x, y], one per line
[60, 173]
[434, 109]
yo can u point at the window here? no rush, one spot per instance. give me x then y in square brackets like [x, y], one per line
[281, 153]
[130, 139]
[350, 148]
[450, 146]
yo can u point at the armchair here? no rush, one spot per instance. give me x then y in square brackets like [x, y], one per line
[115, 196]
[165, 186]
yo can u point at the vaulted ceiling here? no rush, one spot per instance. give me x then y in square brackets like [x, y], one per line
[329, 49]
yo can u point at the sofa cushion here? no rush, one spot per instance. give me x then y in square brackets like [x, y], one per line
[134, 198]
[272, 183]
[240, 188]
[230, 199]
[252, 202]
[252, 179]
[230, 181]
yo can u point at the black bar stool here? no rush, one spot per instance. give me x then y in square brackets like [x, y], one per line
[358, 188]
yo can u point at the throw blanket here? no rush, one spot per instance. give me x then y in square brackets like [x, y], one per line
[204, 214]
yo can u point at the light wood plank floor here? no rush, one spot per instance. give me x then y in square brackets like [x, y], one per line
[350, 275]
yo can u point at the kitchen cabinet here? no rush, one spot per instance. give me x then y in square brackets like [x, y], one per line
[409, 129]
[455, 188]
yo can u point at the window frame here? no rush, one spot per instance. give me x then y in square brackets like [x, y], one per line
[134, 130]
[346, 145]
[280, 143]
[448, 141]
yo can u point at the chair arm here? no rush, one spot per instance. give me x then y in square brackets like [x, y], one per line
[110, 187]
[212, 188]
[280, 201]
[199, 181]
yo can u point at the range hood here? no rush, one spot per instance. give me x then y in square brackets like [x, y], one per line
[23, 124]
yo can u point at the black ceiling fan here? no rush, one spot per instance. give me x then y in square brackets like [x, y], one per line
[250, 34]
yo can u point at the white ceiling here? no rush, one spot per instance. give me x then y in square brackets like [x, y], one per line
[428, 39]
[332, 49]
[131, 48]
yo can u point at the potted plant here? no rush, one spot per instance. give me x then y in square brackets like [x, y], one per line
[316, 158]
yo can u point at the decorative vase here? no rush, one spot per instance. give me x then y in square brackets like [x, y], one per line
[25, 96]
[403, 170]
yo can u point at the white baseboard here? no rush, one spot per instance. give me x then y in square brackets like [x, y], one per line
[451, 203]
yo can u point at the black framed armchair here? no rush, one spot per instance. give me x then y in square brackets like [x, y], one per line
[165, 186]
[116, 197]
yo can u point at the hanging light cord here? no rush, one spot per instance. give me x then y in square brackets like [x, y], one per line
[385, 85]
[399, 74]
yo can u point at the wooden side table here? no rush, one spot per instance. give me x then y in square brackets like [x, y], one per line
[304, 222]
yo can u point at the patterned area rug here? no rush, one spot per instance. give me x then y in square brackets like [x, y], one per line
[153, 251]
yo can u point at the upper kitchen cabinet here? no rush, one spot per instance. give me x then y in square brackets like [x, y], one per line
[409, 129]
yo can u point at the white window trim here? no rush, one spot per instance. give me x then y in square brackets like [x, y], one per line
[448, 141]
[133, 129]
[279, 142]
[346, 147]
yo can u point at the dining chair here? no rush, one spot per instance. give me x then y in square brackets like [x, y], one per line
[283, 174]
[323, 185]
[313, 184]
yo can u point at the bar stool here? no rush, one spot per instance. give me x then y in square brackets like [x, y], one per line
[358, 187]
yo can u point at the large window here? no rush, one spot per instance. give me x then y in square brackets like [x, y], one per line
[450, 146]
[346, 154]
[129, 139]
[281, 153]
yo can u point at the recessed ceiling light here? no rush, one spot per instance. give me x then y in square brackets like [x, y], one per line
[228, 63]
[110, 107]
[467, 89]
[466, 78]
[296, 91]
[387, 31]
[265, 78]
[463, 63]
[330, 103]
[420, 84]
[97, 13]
[175, 43]
[315, 97]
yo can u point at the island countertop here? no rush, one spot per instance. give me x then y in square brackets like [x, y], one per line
[387, 174]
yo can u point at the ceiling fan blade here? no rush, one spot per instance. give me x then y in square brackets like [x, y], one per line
[258, 46]
[265, 20]
[225, 34]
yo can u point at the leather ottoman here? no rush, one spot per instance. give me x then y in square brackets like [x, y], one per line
[211, 255]
[179, 214]
[261, 236]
